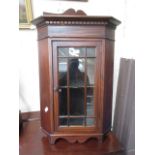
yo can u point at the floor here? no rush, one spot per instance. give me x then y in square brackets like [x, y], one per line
[33, 142]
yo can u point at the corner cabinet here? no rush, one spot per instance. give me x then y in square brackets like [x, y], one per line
[76, 55]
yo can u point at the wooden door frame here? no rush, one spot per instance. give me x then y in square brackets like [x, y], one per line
[98, 110]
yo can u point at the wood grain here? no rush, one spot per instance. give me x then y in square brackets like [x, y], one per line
[75, 30]
[33, 142]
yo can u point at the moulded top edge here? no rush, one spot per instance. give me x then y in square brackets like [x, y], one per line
[50, 18]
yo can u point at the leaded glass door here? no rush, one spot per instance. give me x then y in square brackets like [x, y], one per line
[75, 81]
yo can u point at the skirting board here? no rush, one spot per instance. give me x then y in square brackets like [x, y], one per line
[31, 116]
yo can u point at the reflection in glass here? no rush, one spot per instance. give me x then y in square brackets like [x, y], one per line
[76, 72]
[90, 91]
[90, 121]
[91, 70]
[90, 106]
[90, 52]
[90, 101]
[62, 71]
[63, 121]
[63, 101]
[62, 82]
[76, 97]
[76, 101]
[62, 52]
[76, 121]
[77, 52]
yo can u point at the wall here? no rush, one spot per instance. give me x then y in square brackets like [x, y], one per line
[29, 82]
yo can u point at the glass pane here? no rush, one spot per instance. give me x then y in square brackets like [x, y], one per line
[62, 52]
[63, 101]
[77, 52]
[90, 101]
[76, 101]
[90, 52]
[63, 121]
[90, 106]
[62, 71]
[72, 92]
[76, 121]
[90, 121]
[90, 91]
[76, 72]
[91, 71]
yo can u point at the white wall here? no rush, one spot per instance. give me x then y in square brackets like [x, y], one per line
[28, 71]
[29, 77]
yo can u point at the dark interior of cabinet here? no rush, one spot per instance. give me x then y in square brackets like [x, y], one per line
[76, 73]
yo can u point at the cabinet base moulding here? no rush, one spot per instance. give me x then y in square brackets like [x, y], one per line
[74, 139]
[71, 138]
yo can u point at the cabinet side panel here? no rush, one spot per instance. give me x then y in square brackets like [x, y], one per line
[108, 85]
[43, 32]
[45, 86]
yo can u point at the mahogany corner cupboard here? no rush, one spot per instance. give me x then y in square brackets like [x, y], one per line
[76, 54]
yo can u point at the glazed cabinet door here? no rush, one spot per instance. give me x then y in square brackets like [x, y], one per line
[76, 71]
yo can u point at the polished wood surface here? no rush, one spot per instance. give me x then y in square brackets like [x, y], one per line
[33, 142]
[67, 12]
[75, 30]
